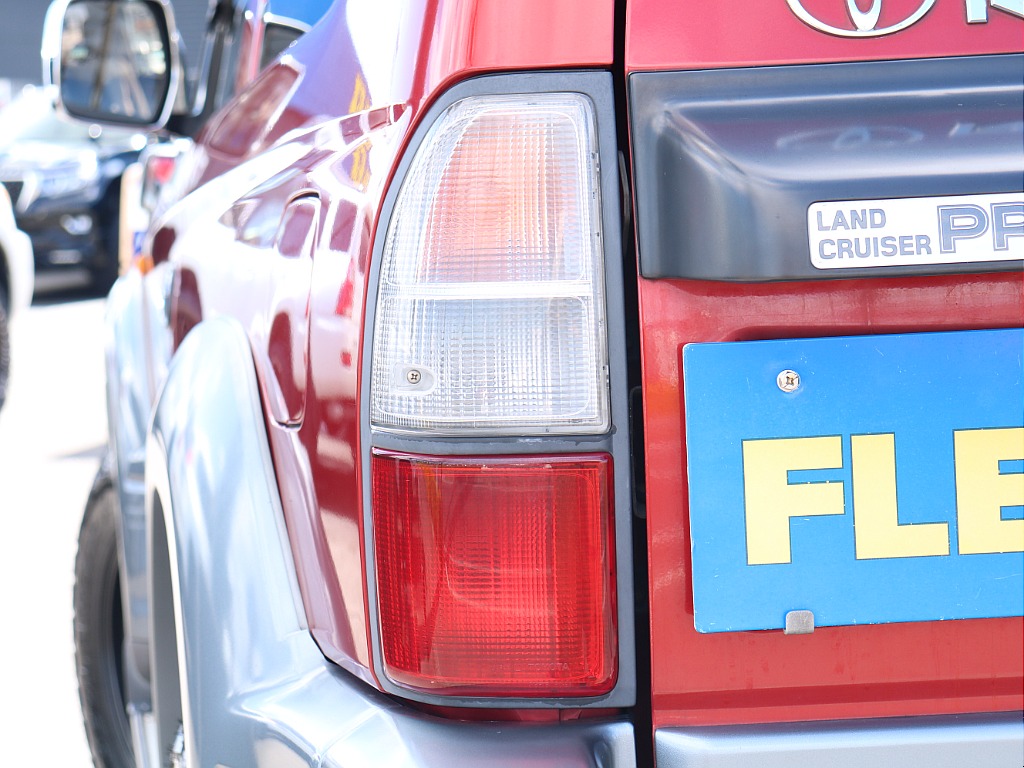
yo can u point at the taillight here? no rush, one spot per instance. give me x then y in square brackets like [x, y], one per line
[490, 314]
[495, 575]
[490, 416]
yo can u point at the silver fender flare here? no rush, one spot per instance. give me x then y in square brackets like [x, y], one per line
[253, 687]
[222, 581]
[129, 391]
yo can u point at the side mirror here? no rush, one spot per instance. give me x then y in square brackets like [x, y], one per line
[114, 61]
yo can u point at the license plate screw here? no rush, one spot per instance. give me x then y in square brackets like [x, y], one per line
[788, 381]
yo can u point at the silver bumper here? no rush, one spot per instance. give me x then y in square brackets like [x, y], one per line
[993, 741]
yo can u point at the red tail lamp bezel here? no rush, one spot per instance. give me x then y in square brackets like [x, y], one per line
[495, 576]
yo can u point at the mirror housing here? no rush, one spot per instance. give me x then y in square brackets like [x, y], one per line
[113, 61]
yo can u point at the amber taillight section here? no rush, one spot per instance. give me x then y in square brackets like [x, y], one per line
[495, 576]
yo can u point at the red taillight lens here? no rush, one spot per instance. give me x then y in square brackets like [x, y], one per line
[495, 575]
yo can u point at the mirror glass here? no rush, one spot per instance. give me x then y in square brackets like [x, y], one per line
[114, 61]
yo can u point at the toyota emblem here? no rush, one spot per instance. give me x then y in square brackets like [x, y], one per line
[856, 22]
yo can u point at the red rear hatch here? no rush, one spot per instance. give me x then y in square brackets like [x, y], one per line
[813, 464]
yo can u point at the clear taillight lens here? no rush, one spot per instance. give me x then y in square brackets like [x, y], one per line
[495, 575]
[490, 315]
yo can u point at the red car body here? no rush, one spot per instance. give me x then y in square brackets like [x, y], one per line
[302, 170]
[870, 671]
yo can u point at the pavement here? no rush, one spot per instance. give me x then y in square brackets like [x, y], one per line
[52, 434]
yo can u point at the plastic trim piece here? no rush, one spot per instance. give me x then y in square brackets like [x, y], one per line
[728, 162]
[995, 741]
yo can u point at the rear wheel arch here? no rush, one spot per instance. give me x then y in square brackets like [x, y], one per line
[169, 692]
[215, 545]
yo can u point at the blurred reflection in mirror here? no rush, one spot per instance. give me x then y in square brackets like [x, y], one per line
[114, 61]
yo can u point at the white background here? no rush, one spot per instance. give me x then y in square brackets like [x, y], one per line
[52, 433]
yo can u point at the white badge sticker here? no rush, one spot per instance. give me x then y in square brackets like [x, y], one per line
[913, 231]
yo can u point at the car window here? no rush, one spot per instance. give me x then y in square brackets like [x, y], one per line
[241, 129]
[277, 37]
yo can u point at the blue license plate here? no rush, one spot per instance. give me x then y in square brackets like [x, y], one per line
[865, 479]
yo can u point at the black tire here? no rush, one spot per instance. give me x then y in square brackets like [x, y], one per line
[5, 349]
[99, 631]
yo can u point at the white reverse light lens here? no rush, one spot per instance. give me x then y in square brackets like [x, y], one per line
[490, 313]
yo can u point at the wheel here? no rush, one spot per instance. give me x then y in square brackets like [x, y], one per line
[99, 631]
[5, 350]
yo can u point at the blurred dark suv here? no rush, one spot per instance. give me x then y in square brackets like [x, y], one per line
[64, 180]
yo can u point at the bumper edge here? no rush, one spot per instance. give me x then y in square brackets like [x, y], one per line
[993, 740]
